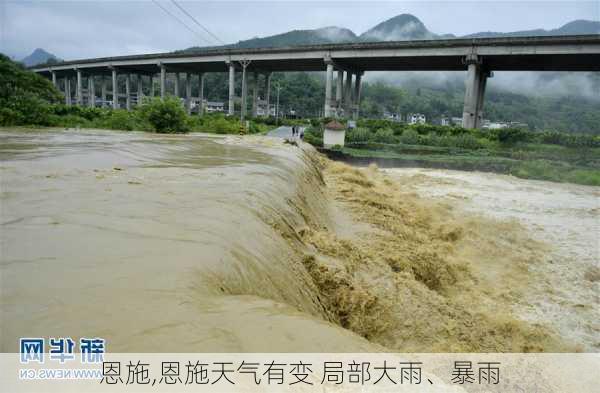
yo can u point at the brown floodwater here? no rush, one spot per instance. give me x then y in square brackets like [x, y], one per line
[563, 283]
[158, 243]
[196, 243]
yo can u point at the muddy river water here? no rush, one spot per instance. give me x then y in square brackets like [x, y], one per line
[565, 287]
[189, 243]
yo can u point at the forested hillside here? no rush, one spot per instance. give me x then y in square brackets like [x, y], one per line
[303, 93]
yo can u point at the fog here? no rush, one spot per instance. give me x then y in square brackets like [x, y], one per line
[543, 84]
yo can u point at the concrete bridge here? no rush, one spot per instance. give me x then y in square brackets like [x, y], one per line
[479, 57]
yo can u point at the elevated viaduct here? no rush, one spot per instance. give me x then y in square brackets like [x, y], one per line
[478, 57]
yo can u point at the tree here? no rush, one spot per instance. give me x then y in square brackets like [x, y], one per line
[25, 97]
[165, 115]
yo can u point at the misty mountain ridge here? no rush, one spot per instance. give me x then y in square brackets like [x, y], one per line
[402, 27]
[572, 28]
[324, 35]
[399, 28]
[39, 56]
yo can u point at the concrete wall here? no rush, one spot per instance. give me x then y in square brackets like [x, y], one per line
[333, 137]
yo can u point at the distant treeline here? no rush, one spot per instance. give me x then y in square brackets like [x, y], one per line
[303, 93]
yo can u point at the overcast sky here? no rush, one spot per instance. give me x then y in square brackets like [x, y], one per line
[81, 29]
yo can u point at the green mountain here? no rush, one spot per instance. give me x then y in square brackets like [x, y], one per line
[39, 56]
[572, 28]
[399, 28]
[325, 35]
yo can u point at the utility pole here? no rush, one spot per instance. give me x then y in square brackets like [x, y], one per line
[244, 64]
[278, 88]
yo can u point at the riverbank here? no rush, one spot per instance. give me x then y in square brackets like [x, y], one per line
[541, 155]
[578, 167]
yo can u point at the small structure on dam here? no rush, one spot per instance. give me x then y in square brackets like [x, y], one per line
[334, 134]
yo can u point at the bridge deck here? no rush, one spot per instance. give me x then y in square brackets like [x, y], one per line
[554, 53]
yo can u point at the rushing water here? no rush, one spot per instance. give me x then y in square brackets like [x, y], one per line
[156, 243]
[565, 291]
[192, 243]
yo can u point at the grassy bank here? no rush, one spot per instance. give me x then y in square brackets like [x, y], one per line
[155, 115]
[551, 156]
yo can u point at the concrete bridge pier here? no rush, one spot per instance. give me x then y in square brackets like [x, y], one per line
[188, 94]
[348, 95]
[231, 108]
[268, 92]
[91, 92]
[475, 85]
[79, 96]
[176, 85]
[244, 90]
[54, 79]
[357, 87]
[115, 89]
[255, 94]
[201, 94]
[128, 92]
[103, 90]
[481, 98]
[328, 82]
[140, 89]
[339, 86]
[67, 90]
[163, 77]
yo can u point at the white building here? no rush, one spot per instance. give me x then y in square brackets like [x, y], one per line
[457, 121]
[334, 134]
[392, 116]
[487, 124]
[416, 118]
[214, 106]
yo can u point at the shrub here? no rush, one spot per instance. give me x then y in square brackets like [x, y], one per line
[570, 140]
[223, 126]
[9, 117]
[384, 135]
[71, 121]
[358, 135]
[119, 120]
[463, 141]
[375, 124]
[255, 128]
[218, 123]
[409, 137]
[314, 136]
[424, 129]
[165, 115]
[81, 111]
[510, 136]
